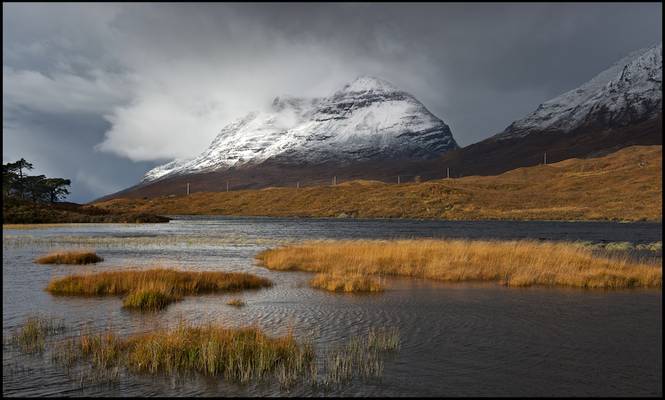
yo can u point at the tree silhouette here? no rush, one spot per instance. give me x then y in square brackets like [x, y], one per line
[35, 188]
[18, 180]
[57, 188]
[17, 184]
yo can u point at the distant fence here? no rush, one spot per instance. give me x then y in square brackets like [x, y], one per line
[230, 185]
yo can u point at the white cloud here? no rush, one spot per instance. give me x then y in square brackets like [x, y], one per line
[178, 78]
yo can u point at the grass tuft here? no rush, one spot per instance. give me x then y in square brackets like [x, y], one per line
[153, 289]
[512, 263]
[70, 257]
[337, 282]
[149, 299]
[238, 355]
[236, 303]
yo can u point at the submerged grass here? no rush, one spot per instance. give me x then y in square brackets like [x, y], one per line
[337, 282]
[361, 356]
[513, 263]
[236, 303]
[70, 257]
[31, 336]
[153, 289]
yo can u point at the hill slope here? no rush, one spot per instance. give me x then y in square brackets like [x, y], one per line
[625, 185]
[26, 212]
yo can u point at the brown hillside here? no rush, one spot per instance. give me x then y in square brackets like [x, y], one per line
[625, 185]
[488, 157]
[492, 156]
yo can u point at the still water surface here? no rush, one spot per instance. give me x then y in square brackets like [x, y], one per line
[457, 339]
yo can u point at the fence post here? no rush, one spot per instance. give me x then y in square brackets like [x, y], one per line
[447, 173]
[398, 180]
[187, 188]
[227, 186]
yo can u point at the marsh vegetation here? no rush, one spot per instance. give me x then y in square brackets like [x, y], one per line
[31, 336]
[348, 283]
[153, 289]
[238, 355]
[70, 257]
[511, 263]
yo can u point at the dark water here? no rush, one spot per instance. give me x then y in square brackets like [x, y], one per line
[457, 339]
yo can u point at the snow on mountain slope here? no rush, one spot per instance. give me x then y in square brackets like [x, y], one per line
[366, 119]
[629, 91]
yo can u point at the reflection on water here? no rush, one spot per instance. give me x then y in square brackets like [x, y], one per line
[456, 339]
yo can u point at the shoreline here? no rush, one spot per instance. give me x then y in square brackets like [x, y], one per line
[244, 216]
[178, 217]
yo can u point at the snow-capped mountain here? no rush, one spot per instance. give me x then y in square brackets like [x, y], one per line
[619, 107]
[365, 120]
[628, 92]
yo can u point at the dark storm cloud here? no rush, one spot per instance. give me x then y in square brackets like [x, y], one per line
[102, 92]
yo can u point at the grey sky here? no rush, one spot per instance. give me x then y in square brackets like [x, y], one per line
[100, 93]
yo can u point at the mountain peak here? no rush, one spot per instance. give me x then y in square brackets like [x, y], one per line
[368, 119]
[628, 92]
[369, 83]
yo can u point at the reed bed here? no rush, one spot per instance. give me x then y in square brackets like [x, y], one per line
[239, 355]
[70, 257]
[153, 289]
[348, 283]
[512, 263]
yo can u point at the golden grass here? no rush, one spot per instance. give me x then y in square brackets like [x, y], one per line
[70, 257]
[625, 185]
[348, 283]
[513, 263]
[153, 289]
[238, 355]
[150, 298]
